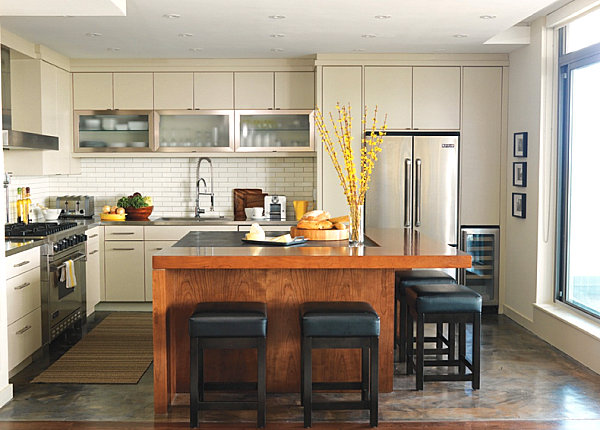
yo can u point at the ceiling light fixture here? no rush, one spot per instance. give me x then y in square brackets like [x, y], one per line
[368, 36]
[171, 15]
[383, 16]
[276, 49]
[276, 16]
[113, 49]
[359, 50]
[196, 49]
[487, 16]
[185, 35]
[277, 35]
[460, 36]
[93, 34]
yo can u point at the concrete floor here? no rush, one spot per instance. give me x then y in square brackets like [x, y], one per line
[522, 378]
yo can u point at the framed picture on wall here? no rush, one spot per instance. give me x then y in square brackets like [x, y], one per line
[520, 144]
[520, 174]
[519, 205]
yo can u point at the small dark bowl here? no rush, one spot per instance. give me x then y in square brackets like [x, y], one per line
[139, 214]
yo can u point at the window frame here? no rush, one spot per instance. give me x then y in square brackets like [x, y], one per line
[567, 62]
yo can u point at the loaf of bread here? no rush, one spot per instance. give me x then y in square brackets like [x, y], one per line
[339, 226]
[316, 215]
[344, 218]
[315, 225]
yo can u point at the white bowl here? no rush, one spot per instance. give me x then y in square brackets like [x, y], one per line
[121, 127]
[51, 214]
[92, 123]
[253, 213]
[109, 123]
[138, 125]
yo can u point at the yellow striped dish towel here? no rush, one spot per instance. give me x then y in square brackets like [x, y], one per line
[68, 274]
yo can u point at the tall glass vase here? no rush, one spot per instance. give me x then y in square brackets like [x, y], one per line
[357, 226]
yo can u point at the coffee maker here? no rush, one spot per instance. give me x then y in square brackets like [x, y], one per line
[275, 208]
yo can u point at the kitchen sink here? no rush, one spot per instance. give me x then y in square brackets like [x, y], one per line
[192, 219]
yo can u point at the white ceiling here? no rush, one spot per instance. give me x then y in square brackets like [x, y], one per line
[243, 29]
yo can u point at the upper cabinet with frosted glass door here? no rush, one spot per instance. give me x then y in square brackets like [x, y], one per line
[273, 131]
[194, 131]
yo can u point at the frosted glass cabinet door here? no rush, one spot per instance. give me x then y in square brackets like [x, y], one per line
[274, 131]
[195, 131]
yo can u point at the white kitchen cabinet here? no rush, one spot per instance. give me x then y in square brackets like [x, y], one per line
[151, 247]
[254, 90]
[24, 337]
[92, 91]
[42, 103]
[343, 85]
[92, 269]
[174, 90]
[481, 146]
[213, 90]
[294, 90]
[124, 270]
[133, 91]
[23, 294]
[129, 232]
[436, 98]
[390, 89]
[21, 262]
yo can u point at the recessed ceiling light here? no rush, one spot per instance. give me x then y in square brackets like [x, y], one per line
[368, 36]
[276, 49]
[277, 35]
[276, 16]
[196, 49]
[93, 34]
[487, 16]
[185, 35]
[113, 49]
[359, 50]
[460, 36]
[383, 16]
[171, 15]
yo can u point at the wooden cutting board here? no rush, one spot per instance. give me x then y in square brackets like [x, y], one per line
[246, 198]
[319, 234]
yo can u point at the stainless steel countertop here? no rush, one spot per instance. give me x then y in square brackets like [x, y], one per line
[14, 246]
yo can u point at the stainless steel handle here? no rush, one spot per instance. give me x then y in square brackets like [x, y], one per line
[157, 249]
[93, 236]
[123, 249]
[418, 193]
[407, 192]
[56, 268]
[123, 233]
[22, 263]
[93, 252]
[20, 287]
[24, 329]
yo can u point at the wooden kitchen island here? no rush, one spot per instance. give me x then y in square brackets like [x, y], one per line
[217, 266]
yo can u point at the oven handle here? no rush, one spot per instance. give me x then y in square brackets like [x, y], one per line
[57, 268]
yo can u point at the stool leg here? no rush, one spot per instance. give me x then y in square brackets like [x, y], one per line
[409, 345]
[364, 391]
[451, 341]
[374, 410]
[261, 355]
[420, 351]
[476, 350]
[194, 382]
[302, 371]
[439, 332]
[462, 348]
[404, 336]
[307, 381]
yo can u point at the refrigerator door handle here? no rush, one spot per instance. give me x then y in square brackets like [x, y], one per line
[418, 193]
[407, 192]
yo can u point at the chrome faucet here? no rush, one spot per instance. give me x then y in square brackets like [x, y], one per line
[199, 211]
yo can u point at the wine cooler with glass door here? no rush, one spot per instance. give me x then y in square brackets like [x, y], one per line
[483, 245]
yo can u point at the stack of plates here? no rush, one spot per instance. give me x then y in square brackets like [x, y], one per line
[92, 144]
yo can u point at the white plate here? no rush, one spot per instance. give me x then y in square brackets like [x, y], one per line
[138, 144]
[117, 144]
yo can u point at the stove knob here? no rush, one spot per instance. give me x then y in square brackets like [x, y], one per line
[56, 247]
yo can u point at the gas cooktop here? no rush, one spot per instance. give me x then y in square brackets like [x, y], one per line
[36, 229]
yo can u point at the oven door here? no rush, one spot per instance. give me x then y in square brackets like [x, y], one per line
[65, 305]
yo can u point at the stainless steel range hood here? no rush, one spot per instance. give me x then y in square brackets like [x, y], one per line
[15, 139]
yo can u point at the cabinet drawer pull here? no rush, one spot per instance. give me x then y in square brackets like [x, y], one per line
[93, 236]
[22, 263]
[93, 252]
[157, 249]
[20, 287]
[123, 249]
[24, 329]
[123, 233]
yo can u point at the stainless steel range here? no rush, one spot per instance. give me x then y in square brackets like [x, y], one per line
[62, 307]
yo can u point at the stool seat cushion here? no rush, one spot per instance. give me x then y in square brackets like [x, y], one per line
[405, 279]
[339, 319]
[229, 319]
[437, 298]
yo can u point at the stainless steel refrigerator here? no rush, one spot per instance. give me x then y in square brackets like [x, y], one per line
[415, 185]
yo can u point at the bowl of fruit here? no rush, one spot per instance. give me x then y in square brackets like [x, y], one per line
[113, 213]
[138, 207]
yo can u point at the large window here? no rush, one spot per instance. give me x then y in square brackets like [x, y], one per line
[579, 149]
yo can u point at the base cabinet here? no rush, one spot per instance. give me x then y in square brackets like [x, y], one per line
[124, 270]
[24, 337]
[92, 270]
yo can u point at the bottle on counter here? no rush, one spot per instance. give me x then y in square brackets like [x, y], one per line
[27, 206]
[19, 204]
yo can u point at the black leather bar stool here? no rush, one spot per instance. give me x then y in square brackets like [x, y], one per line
[227, 325]
[341, 325]
[410, 278]
[450, 304]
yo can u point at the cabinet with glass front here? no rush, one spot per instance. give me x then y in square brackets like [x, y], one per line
[113, 131]
[274, 130]
[194, 131]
